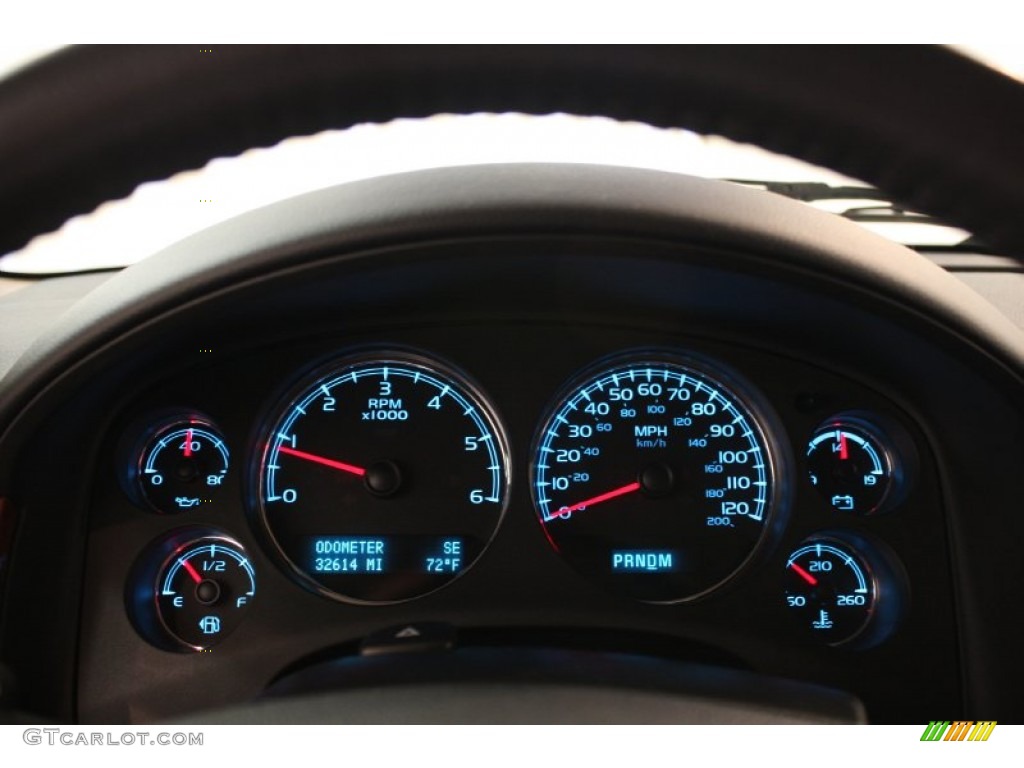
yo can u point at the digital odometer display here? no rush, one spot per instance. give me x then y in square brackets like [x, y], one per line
[655, 476]
[383, 477]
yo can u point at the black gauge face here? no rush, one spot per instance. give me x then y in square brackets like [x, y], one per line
[181, 465]
[382, 478]
[853, 466]
[844, 589]
[192, 590]
[830, 589]
[655, 477]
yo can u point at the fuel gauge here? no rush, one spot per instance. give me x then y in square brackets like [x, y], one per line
[191, 590]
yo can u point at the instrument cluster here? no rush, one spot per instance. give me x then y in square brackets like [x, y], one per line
[378, 473]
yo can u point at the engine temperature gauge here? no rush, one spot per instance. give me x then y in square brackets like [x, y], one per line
[844, 589]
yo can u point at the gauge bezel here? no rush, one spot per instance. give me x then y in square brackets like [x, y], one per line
[137, 443]
[895, 449]
[142, 596]
[334, 366]
[889, 584]
[764, 420]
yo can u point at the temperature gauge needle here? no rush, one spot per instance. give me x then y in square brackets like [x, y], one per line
[350, 468]
[804, 574]
[598, 499]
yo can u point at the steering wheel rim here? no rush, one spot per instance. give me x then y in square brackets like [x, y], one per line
[88, 124]
[255, 96]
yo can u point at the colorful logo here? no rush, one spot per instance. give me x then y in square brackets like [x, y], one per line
[961, 730]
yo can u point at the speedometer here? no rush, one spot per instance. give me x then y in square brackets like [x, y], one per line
[658, 476]
[383, 477]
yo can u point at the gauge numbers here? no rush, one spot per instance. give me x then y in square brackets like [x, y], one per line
[191, 590]
[655, 477]
[831, 589]
[174, 464]
[384, 477]
[845, 589]
[859, 467]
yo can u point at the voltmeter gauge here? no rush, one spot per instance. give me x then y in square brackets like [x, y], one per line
[859, 465]
[178, 464]
[191, 590]
[844, 589]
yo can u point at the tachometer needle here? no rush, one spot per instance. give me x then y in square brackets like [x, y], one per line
[804, 574]
[359, 471]
[598, 499]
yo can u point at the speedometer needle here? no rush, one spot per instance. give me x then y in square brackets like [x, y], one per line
[598, 499]
[351, 468]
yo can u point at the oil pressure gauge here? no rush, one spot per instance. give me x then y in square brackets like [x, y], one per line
[176, 464]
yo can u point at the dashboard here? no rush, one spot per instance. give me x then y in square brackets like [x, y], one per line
[583, 410]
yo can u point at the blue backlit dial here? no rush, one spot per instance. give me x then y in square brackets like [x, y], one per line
[657, 476]
[858, 466]
[192, 590]
[181, 465]
[844, 589]
[383, 477]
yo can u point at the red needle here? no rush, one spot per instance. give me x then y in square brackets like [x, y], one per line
[188, 443]
[804, 574]
[844, 451]
[321, 460]
[191, 571]
[598, 499]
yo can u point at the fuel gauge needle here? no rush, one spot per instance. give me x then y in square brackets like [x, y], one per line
[192, 572]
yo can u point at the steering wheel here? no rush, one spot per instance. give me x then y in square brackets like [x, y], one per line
[89, 124]
[937, 131]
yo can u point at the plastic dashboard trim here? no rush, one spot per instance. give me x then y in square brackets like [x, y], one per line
[512, 199]
[777, 235]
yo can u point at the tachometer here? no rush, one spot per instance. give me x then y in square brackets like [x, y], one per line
[657, 476]
[383, 477]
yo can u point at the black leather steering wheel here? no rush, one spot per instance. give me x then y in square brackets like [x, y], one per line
[937, 131]
[89, 124]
